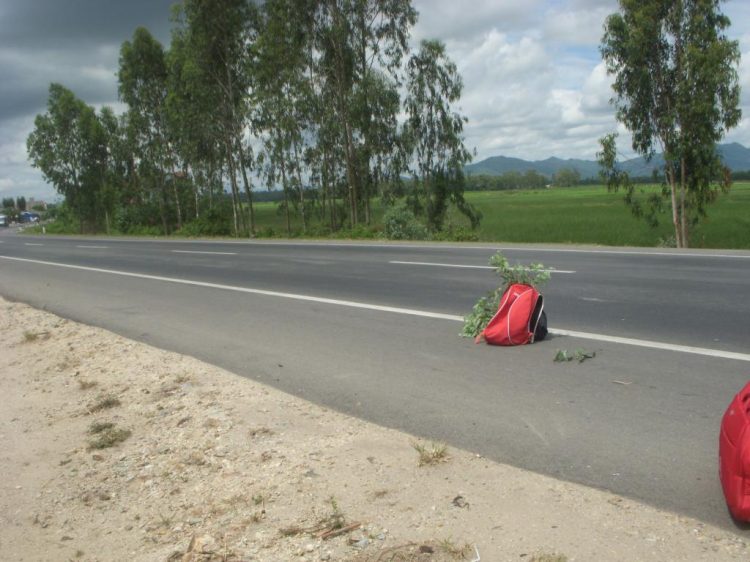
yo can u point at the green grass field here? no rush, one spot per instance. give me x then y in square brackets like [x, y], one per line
[580, 215]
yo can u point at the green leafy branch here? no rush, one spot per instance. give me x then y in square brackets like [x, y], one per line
[579, 355]
[535, 275]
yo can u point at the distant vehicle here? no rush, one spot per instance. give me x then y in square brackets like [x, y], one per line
[29, 217]
[4, 221]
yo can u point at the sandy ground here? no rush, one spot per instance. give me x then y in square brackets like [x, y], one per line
[217, 467]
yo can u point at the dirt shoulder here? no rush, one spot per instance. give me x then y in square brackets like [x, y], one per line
[212, 466]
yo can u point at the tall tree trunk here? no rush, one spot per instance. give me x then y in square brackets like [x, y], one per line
[344, 110]
[248, 194]
[351, 178]
[675, 213]
[234, 211]
[106, 220]
[683, 215]
[195, 188]
[329, 192]
[176, 198]
[301, 187]
[286, 194]
[366, 177]
[368, 217]
[235, 190]
[210, 185]
[164, 206]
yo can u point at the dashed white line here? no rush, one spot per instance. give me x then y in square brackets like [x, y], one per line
[465, 266]
[584, 335]
[94, 247]
[29, 244]
[489, 247]
[209, 253]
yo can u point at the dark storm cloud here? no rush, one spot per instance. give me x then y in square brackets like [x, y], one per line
[74, 42]
[79, 24]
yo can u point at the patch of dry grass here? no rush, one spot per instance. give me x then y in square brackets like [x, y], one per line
[104, 402]
[29, 336]
[435, 453]
[84, 384]
[108, 435]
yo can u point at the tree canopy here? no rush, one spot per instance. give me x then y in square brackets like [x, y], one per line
[677, 92]
[303, 95]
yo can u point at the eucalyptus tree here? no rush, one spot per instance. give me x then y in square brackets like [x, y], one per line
[218, 35]
[107, 162]
[435, 133]
[59, 146]
[676, 90]
[380, 35]
[337, 64]
[383, 160]
[191, 104]
[142, 78]
[283, 94]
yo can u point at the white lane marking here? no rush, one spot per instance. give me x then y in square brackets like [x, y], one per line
[211, 253]
[654, 345]
[488, 247]
[465, 266]
[29, 244]
[408, 311]
[93, 247]
[592, 299]
[247, 290]
[625, 253]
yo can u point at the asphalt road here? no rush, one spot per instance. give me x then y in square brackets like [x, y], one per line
[654, 438]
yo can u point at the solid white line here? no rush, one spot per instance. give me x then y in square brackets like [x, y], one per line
[28, 244]
[210, 253]
[624, 253]
[93, 247]
[465, 266]
[654, 345]
[408, 311]
[247, 290]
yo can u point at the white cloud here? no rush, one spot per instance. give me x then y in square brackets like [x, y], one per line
[577, 23]
[534, 85]
[449, 20]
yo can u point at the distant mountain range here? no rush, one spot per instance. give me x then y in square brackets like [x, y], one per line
[736, 157]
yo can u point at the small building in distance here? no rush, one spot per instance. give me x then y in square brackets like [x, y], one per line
[31, 203]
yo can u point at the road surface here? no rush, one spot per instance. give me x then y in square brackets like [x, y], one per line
[371, 330]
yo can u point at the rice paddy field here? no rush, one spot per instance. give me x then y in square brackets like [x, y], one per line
[579, 215]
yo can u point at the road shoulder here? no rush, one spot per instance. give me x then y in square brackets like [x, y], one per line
[240, 471]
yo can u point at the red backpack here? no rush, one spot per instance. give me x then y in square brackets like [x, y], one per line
[734, 455]
[519, 320]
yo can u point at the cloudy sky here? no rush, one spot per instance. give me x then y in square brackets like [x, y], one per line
[534, 83]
